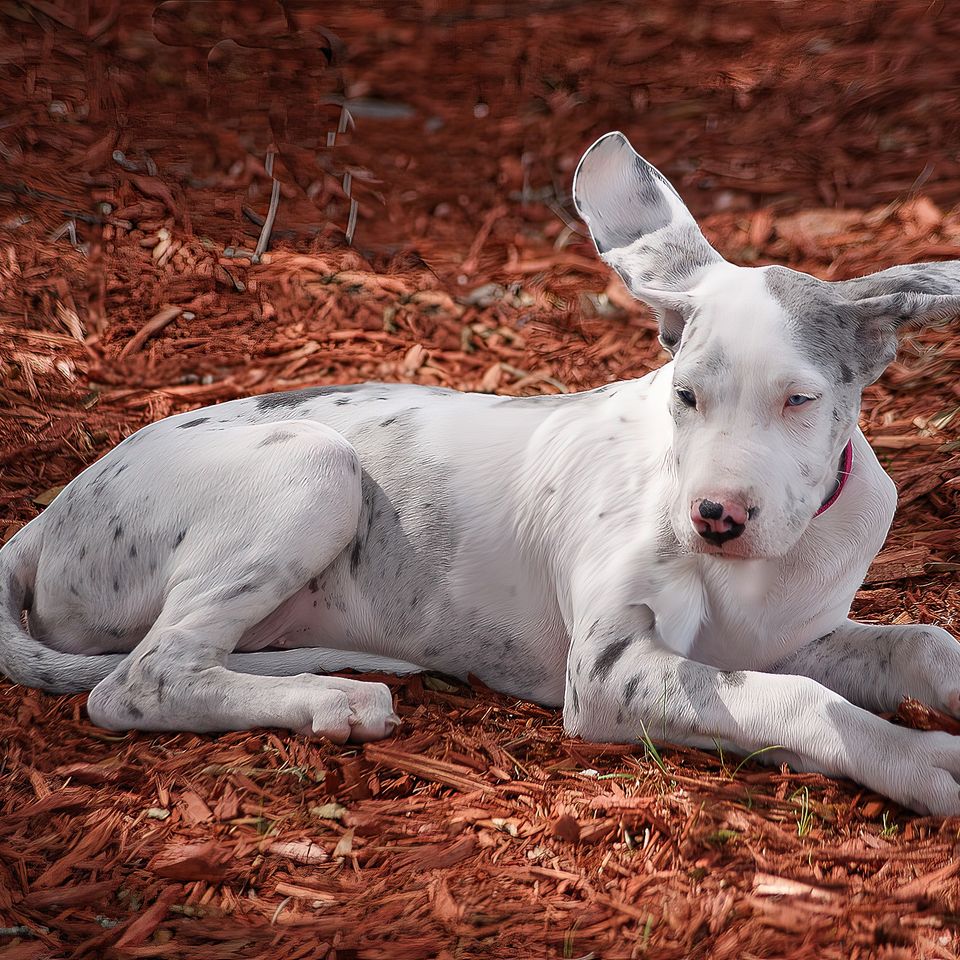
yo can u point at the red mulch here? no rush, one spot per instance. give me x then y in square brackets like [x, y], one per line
[819, 135]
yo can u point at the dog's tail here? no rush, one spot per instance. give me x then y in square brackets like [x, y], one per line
[23, 658]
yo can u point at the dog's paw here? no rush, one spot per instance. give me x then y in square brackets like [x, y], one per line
[937, 662]
[922, 772]
[372, 715]
[342, 710]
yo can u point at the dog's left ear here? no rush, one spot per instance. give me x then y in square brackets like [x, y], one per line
[878, 320]
[642, 229]
[883, 303]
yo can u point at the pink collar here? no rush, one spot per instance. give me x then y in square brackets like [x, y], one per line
[846, 462]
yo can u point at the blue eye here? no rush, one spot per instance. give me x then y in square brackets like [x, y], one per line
[687, 397]
[797, 400]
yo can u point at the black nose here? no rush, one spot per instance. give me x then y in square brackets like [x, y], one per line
[710, 510]
[715, 525]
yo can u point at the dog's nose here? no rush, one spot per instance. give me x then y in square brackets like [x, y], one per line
[719, 520]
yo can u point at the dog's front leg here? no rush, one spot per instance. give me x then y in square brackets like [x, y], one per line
[877, 665]
[624, 683]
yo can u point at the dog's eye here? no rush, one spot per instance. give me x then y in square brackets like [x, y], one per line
[687, 397]
[798, 400]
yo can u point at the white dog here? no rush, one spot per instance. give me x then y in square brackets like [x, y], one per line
[674, 555]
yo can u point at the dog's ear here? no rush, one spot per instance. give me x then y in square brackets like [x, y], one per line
[642, 229]
[882, 303]
[933, 279]
[878, 319]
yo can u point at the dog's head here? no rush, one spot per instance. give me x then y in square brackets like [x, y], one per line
[768, 363]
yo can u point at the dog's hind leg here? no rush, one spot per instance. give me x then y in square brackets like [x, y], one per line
[275, 506]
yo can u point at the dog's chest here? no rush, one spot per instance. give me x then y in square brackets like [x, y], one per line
[746, 615]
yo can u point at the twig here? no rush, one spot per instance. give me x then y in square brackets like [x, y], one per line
[264, 238]
[153, 326]
[471, 261]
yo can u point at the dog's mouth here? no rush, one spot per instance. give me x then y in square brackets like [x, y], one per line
[751, 544]
[720, 551]
[731, 550]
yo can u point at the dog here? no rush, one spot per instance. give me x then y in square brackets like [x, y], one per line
[673, 556]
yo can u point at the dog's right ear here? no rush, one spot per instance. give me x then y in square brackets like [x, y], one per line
[642, 229]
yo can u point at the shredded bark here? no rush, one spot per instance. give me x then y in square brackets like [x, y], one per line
[133, 187]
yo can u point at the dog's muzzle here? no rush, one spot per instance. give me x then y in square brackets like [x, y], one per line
[718, 521]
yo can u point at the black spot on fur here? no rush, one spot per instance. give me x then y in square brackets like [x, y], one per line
[611, 654]
[630, 690]
[179, 540]
[278, 436]
[117, 531]
[313, 585]
[712, 361]
[193, 423]
[116, 585]
[295, 398]
[239, 590]
[133, 551]
[575, 699]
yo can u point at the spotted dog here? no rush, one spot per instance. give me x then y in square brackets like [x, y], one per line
[672, 556]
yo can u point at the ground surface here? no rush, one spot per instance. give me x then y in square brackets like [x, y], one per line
[823, 136]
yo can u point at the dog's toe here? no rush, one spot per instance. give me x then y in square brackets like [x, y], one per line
[373, 715]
